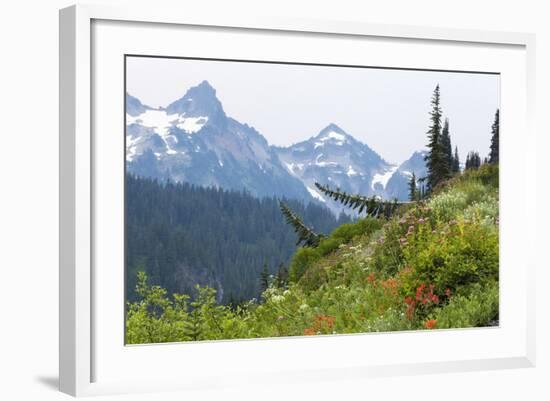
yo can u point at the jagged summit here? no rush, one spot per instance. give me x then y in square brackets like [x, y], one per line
[199, 100]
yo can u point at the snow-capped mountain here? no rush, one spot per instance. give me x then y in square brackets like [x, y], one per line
[397, 185]
[335, 158]
[193, 140]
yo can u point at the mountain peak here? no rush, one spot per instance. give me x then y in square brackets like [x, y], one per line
[332, 133]
[333, 127]
[198, 101]
[205, 85]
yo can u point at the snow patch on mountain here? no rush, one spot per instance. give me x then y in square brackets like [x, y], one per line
[315, 194]
[351, 172]
[162, 122]
[383, 178]
[339, 139]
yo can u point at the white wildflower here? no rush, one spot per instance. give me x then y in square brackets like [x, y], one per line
[277, 298]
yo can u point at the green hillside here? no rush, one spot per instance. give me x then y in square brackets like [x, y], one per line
[434, 264]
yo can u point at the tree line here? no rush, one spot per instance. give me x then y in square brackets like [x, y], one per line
[441, 162]
[181, 235]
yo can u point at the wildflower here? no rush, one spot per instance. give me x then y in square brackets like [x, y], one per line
[309, 332]
[410, 311]
[371, 277]
[420, 291]
[430, 324]
[304, 306]
[421, 220]
[277, 298]
[448, 292]
[409, 300]
[280, 317]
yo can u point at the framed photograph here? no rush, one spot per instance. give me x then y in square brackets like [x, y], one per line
[293, 199]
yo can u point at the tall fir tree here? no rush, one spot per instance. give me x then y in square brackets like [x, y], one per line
[413, 193]
[456, 162]
[264, 279]
[493, 155]
[446, 144]
[282, 276]
[436, 160]
[473, 160]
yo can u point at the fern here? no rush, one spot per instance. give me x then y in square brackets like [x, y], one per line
[372, 206]
[306, 236]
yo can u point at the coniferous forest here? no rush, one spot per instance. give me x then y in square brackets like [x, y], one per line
[182, 235]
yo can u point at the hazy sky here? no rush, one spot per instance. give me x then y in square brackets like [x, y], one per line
[386, 109]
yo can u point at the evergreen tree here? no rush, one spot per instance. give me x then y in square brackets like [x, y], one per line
[182, 235]
[264, 278]
[372, 206]
[413, 193]
[436, 159]
[306, 235]
[473, 161]
[456, 162]
[282, 275]
[493, 155]
[446, 144]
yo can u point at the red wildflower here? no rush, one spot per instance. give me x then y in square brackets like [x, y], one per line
[448, 292]
[430, 324]
[371, 277]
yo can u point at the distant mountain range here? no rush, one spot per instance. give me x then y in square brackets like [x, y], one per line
[193, 140]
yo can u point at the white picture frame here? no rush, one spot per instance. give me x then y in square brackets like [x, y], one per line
[82, 343]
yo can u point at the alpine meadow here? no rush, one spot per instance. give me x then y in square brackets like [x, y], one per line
[294, 226]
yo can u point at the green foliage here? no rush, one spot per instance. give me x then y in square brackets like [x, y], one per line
[372, 206]
[451, 255]
[446, 145]
[306, 236]
[413, 192]
[456, 162]
[473, 160]
[434, 265]
[305, 257]
[436, 159]
[182, 235]
[495, 128]
[476, 308]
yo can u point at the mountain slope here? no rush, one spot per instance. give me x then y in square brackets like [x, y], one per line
[193, 140]
[433, 265]
[397, 185]
[335, 158]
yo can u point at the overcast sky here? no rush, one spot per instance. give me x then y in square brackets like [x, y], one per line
[386, 109]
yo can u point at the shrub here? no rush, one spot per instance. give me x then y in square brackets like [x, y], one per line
[305, 257]
[456, 254]
[476, 309]
[448, 205]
